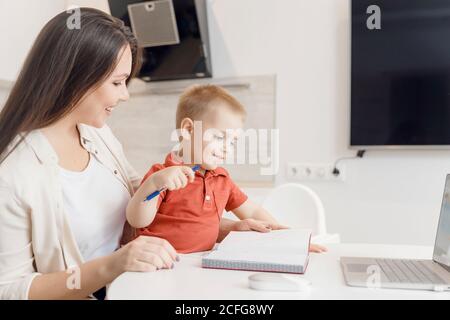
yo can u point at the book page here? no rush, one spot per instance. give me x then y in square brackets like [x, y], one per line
[290, 241]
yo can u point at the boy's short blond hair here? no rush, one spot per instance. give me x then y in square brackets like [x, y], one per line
[199, 99]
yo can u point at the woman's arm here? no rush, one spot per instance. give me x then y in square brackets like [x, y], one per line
[79, 283]
[145, 254]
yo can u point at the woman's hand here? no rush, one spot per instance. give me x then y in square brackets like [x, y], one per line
[145, 254]
[256, 225]
[172, 178]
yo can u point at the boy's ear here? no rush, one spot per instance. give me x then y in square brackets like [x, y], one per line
[188, 125]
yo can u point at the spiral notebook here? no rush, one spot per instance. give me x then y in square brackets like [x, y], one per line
[285, 251]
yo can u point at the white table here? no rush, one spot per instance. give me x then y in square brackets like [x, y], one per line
[188, 281]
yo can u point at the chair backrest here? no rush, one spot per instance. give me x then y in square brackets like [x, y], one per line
[297, 206]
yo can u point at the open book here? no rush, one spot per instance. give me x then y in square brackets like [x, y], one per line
[284, 251]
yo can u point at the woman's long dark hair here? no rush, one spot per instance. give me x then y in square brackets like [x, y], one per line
[62, 66]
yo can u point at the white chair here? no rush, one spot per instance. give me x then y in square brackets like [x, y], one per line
[297, 206]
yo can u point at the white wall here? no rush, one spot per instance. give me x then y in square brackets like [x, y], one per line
[20, 23]
[98, 4]
[387, 197]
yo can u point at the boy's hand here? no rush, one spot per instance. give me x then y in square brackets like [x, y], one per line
[315, 248]
[172, 178]
[256, 225]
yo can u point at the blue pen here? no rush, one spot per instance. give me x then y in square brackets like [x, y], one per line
[157, 193]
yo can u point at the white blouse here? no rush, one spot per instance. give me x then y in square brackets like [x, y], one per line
[35, 233]
[95, 202]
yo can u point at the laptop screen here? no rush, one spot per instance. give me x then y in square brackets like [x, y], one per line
[442, 246]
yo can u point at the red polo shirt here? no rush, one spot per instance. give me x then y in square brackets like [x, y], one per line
[189, 218]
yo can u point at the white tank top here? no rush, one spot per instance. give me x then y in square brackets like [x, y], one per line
[95, 202]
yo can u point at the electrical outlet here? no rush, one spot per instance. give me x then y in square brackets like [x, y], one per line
[314, 172]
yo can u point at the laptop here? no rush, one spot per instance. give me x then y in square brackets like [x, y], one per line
[406, 273]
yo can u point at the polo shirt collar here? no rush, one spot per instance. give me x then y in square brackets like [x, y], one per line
[173, 159]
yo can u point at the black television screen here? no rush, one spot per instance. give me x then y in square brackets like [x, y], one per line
[186, 60]
[400, 88]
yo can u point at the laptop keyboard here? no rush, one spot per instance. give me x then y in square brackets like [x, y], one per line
[408, 271]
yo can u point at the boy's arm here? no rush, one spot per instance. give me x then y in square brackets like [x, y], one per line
[227, 225]
[254, 213]
[251, 210]
[141, 214]
[252, 218]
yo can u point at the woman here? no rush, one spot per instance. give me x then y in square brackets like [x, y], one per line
[64, 180]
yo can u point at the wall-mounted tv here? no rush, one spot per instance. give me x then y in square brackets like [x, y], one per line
[186, 54]
[400, 76]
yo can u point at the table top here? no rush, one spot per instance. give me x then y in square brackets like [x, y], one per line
[188, 281]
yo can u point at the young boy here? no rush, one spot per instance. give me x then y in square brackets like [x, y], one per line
[189, 214]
